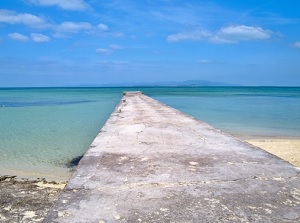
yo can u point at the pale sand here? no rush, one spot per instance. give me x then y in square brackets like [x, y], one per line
[287, 149]
[51, 185]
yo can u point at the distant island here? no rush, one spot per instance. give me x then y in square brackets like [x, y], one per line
[188, 83]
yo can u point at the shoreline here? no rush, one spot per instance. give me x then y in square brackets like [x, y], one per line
[286, 148]
[32, 176]
[263, 137]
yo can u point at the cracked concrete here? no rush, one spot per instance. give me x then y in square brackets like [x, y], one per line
[152, 163]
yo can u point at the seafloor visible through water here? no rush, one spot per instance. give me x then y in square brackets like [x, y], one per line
[43, 129]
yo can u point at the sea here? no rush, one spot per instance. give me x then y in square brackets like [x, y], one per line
[43, 130]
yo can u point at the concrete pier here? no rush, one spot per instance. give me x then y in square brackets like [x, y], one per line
[152, 163]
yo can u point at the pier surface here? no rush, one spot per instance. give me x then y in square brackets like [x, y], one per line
[152, 163]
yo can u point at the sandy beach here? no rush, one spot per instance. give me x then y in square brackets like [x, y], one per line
[287, 149]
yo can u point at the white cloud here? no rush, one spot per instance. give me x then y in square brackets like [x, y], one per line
[107, 51]
[104, 51]
[77, 5]
[103, 27]
[33, 21]
[235, 34]
[196, 35]
[229, 34]
[73, 27]
[205, 61]
[11, 17]
[40, 38]
[18, 37]
[296, 44]
[36, 37]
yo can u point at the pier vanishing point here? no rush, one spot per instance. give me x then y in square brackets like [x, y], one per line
[153, 163]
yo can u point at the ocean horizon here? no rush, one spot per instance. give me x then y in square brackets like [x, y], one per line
[43, 129]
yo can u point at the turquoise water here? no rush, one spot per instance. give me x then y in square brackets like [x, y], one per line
[259, 111]
[41, 129]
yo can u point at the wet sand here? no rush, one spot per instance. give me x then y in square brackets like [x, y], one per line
[287, 149]
[31, 175]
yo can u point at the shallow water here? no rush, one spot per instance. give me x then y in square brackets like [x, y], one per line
[41, 129]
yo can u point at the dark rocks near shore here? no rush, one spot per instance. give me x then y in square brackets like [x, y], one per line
[2, 178]
[24, 200]
[74, 162]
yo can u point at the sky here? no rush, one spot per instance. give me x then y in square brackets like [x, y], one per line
[94, 42]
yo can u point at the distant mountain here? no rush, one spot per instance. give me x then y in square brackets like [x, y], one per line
[188, 83]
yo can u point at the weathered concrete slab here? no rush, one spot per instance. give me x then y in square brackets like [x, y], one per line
[152, 163]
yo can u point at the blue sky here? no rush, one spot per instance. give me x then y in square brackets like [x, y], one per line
[93, 42]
